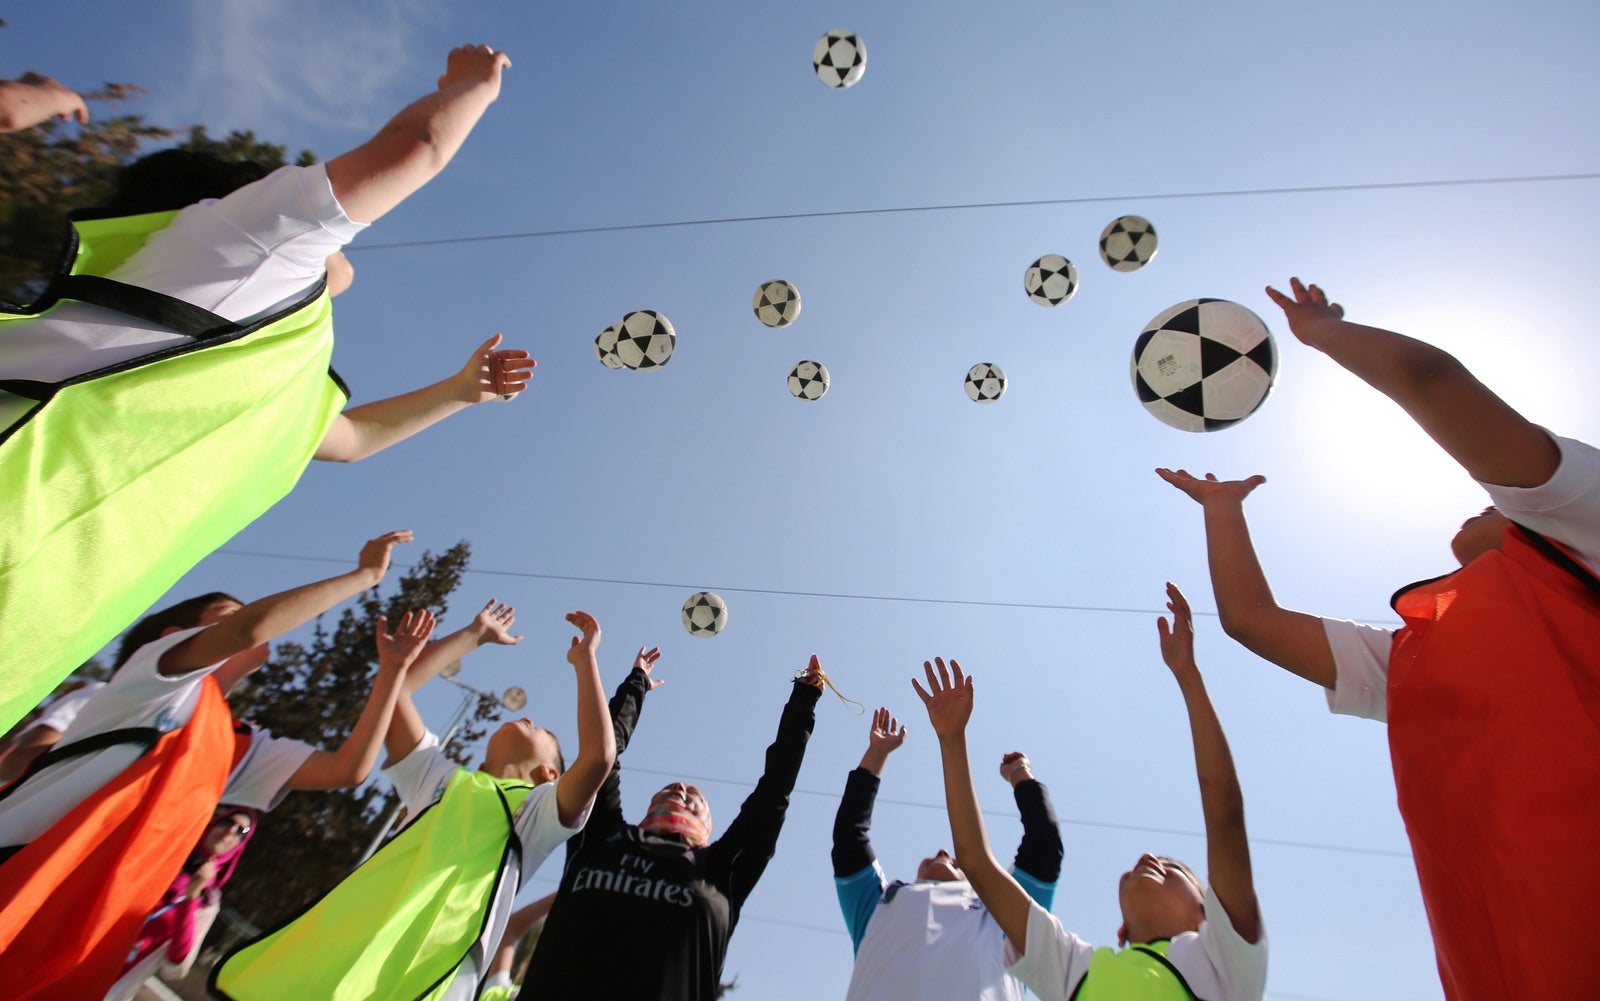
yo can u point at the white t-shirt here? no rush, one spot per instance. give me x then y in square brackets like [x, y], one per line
[136, 696]
[935, 940]
[59, 714]
[420, 779]
[250, 253]
[1217, 964]
[1565, 508]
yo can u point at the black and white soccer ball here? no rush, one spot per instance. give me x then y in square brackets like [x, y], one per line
[605, 347]
[705, 614]
[645, 340]
[777, 303]
[1051, 280]
[839, 58]
[809, 380]
[985, 382]
[1128, 243]
[1204, 364]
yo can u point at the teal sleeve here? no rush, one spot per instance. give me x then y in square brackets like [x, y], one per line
[859, 894]
[1042, 893]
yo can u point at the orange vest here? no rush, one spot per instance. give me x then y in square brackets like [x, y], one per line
[72, 901]
[1494, 731]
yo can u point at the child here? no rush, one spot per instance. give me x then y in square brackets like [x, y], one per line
[1185, 940]
[646, 911]
[932, 938]
[1491, 688]
[419, 918]
[103, 822]
[187, 356]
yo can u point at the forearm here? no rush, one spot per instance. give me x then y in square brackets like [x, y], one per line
[266, 619]
[354, 759]
[372, 427]
[1040, 852]
[597, 747]
[23, 105]
[852, 849]
[1005, 899]
[1222, 804]
[434, 126]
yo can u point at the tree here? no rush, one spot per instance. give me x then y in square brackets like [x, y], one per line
[55, 167]
[315, 693]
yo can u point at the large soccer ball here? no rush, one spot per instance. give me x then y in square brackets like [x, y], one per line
[1051, 280]
[839, 58]
[777, 303]
[985, 382]
[1204, 364]
[605, 347]
[645, 340]
[1127, 243]
[809, 380]
[704, 614]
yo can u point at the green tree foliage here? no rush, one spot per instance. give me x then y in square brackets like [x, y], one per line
[55, 167]
[314, 692]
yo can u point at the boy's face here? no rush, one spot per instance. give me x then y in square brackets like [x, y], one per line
[1160, 897]
[1479, 534]
[521, 742]
[940, 867]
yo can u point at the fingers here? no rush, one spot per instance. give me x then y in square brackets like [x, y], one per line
[961, 679]
[1282, 301]
[1176, 601]
[933, 682]
[924, 696]
[383, 629]
[490, 344]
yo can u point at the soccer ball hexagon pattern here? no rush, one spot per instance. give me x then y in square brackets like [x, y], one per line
[1204, 364]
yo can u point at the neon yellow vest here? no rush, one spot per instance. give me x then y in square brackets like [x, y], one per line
[400, 925]
[1138, 973]
[115, 483]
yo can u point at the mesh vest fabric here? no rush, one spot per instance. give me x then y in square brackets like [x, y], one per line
[76, 897]
[1137, 973]
[400, 925]
[117, 482]
[1494, 732]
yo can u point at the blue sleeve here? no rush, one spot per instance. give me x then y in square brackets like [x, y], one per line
[1042, 893]
[859, 894]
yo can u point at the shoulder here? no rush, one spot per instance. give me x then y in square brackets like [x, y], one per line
[1240, 967]
[1052, 959]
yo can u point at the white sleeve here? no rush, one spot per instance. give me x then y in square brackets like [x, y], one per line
[269, 763]
[59, 714]
[419, 778]
[1241, 966]
[1361, 660]
[1565, 507]
[1055, 961]
[539, 828]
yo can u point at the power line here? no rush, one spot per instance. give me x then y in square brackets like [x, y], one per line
[1031, 203]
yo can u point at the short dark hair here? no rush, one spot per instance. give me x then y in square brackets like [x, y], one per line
[173, 178]
[184, 615]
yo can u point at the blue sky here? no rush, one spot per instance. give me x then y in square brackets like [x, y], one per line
[708, 475]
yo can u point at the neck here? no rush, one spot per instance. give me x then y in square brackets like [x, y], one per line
[508, 770]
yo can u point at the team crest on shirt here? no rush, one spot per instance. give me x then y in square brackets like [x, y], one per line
[167, 720]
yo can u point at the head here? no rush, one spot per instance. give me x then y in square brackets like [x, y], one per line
[1160, 897]
[679, 810]
[175, 178]
[1479, 534]
[229, 829]
[204, 610]
[522, 748]
[940, 867]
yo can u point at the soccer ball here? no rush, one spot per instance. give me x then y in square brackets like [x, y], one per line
[985, 382]
[704, 614]
[1128, 243]
[809, 380]
[1204, 364]
[777, 303]
[645, 340]
[1051, 280]
[839, 58]
[605, 347]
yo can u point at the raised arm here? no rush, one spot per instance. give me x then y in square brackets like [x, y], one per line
[749, 842]
[489, 374]
[1295, 641]
[949, 703]
[33, 98]
[418, 142]
[852, 850]
[268, 618]
[597, 745]
[1222, 801]
[491, 625]
[352, 762]
[1038, 861]
[1493, 442]
[625, 707]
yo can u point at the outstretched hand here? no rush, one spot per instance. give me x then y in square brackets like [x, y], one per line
[948, 698]
[887, 732]
[375, 554]
[645, 660]
[399, 649]
[586, 642]
[1015, 767]
[1309, 312]
[1211, 488]
[491, 374]
[1177, 640]
[467, 65]
[812, 675]
[494, 624]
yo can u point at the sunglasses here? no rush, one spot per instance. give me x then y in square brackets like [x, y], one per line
[233, 827]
